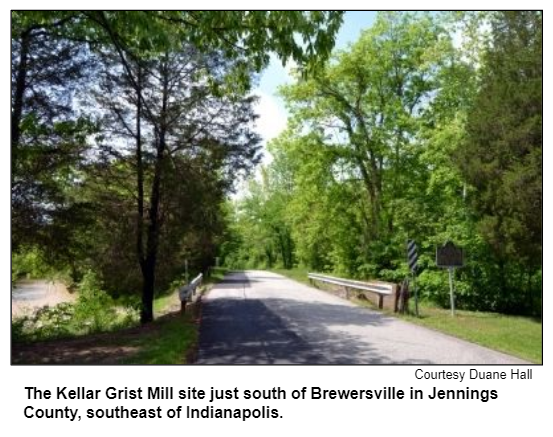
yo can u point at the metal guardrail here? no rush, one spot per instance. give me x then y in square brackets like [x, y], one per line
[376, 287]
[187, 291]
[382, 289]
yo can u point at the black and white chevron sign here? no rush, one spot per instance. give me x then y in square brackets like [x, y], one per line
[412, 255]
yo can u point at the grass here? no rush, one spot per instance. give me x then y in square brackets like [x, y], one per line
[175, 339]
[514, 335]
[217, 275]
[166, 303]
[297, 274]
[171, 341]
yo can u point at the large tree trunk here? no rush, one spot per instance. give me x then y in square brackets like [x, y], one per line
[147, 265]
[152, 244]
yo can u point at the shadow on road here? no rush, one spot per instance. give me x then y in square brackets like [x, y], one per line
[249, 331]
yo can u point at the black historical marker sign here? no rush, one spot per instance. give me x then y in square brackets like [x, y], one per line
[449, 255]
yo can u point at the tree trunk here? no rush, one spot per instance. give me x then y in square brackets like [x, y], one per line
[139, 175]
[147, 265]
[152, 243]
[20, 86]
[148, 283]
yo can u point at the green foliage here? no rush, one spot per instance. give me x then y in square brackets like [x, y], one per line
[302, 36]
[408, 134]
[29, 264]
[46, 323]
[48, 136]
[502, 155]
[95, 308]
[130, 182]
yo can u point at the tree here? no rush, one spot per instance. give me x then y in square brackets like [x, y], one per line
[502, 154]
[180, 135]
[408, 135]
[138, 38]
[48, 135]
[206, 32]
[501, 158]
[369, 106]
[261, 219]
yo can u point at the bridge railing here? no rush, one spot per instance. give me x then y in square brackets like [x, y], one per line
[187, 291]
[382, 290]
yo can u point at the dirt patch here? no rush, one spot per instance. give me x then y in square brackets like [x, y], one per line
[30, 295]
[61, 353]
[106, 348]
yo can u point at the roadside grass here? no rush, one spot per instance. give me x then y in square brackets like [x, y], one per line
[297, 274]
[171, 341]
[216, 275]
[166, 303]
[514, 335]
[175, 339]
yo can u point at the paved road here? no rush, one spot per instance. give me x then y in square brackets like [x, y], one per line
[257, 317]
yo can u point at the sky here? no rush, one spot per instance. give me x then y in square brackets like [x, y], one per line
[271, 109]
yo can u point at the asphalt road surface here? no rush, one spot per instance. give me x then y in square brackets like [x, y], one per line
[257, 317]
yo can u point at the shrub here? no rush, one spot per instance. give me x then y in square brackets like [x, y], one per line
[94, 311]
[29, 263]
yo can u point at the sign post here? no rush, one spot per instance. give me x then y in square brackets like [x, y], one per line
[451, 298]
[450, 256]
[412, 258]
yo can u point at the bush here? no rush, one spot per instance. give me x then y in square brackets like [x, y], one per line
[29, 263]
[94, 311]
[47, 322]
[434, 286]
